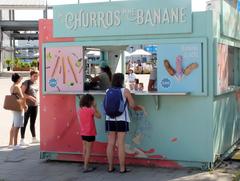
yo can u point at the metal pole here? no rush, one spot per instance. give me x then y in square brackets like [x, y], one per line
[45, 11]
[78, 1]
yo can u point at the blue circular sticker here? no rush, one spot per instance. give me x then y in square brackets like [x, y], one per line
[165, 83]
[53, 82]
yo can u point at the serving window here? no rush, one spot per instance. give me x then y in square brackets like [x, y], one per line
[227, 68]
[71, 68]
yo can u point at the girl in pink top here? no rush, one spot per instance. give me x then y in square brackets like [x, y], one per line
[88, 110]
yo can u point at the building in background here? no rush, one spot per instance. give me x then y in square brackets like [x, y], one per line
[19, 38]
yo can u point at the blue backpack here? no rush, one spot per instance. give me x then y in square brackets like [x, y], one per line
[113, 102]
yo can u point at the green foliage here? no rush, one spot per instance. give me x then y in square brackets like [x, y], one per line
[9, 62]
[25, 65]
[17, 62]
[34, 63]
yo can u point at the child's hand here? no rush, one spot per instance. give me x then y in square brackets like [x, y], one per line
[94, 104]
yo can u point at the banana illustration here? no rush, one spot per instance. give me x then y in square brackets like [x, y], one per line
[188, 70]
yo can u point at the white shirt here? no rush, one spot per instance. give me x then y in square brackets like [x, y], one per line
[131, 78]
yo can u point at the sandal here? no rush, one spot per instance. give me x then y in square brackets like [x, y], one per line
[125, 171]
[89, 169]
[113, 170]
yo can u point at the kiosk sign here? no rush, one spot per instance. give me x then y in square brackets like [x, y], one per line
[137, 17]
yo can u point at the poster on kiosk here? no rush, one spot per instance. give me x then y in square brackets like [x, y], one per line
[64, 69]
[180, 68]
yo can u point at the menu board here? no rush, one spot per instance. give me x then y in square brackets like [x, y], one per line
[180, 68]
[63, 69]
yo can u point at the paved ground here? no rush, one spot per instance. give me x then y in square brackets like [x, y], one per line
[25, 165]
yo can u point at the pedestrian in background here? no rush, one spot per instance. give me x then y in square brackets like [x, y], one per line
[152, 83]
[17, 115]
[131, 79]
[30, 91]
[88, 110]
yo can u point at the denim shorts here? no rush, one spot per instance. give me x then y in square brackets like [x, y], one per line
[18, 119]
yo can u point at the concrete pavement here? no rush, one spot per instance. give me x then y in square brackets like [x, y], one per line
[25, 165]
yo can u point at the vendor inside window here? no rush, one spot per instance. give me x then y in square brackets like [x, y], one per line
[101, 81]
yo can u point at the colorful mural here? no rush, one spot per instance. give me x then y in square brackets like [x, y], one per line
[222, 68]
[225, 68]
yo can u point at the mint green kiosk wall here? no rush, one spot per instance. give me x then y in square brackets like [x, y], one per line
[226, 123]
[190, 120]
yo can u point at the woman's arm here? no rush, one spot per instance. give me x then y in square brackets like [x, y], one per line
[131, 102]
[18, 90]
[129, 97]
[22, 98]
[24, 88]
[95, 79]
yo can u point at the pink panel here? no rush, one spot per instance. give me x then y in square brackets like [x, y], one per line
[59, 128]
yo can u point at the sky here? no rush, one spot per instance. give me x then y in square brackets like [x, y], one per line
[197, 5]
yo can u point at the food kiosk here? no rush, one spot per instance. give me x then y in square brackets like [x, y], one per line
[192, 119]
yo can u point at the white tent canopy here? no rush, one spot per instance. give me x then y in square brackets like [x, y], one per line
[94, 53]
[22, 4]
[126, 54]
[140, 52]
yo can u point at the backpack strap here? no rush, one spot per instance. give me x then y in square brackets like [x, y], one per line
[104, 101]
[125, 105]
[125, 102]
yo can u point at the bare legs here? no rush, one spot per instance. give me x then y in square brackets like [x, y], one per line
[120, 136]
[110, 147]
[15, 135]
[11, 136]
[121, 150]
[87, 148]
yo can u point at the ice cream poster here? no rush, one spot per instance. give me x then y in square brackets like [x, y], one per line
[180, 68]
[64, 69]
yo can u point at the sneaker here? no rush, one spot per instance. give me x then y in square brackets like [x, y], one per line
[10, 146]
[34, 140]
[22, 143]
[18, 147]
